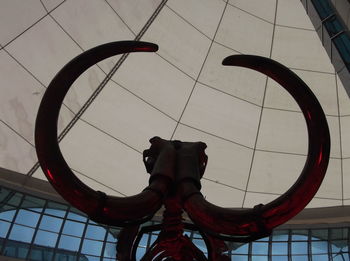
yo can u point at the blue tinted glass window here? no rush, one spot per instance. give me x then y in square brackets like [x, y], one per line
[280, 235]
[50, 223]
[92, 247]
[140, 252]
[56, 209]
[90, 258]
[95, 232]
[241, 250]
[259, 258]
[299, 235]
[44, 238]
[76, 217]
[279, 258]
[260, 248]
[16, 249]
[4, 194]
[21, 233]
[320, 257]
[55, 212]
[33, 203]
[200, 244]
[110, 250]
[279, 248]
[15, 198]
[73, 228]
[299, 248]
[4, 227]
[300, 258]
[239, 258]
[111, 237]
[28, 218]
[69, 243]
[7, 215]
[319, 247]
[339, 245]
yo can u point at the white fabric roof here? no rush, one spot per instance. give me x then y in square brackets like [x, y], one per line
[255, 133]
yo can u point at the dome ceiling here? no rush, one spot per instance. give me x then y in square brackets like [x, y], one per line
[255, 132]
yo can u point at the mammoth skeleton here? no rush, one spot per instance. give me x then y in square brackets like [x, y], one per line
[176, 168]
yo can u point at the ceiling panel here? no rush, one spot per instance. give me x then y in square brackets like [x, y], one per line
[222, 115]
[245, 33]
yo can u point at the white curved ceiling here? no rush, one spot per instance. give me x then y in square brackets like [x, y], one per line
[255, 133]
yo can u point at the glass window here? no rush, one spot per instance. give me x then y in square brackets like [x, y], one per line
[300, 258]
[319, 234]
[21, 233]
[141, 251]
[279, 258]
[259, 258]
[279, 248]
[320, 258]
[300, 234]
[4, 227]
[339, 245]
[200, 244]
[50, 223]
[69, 243]
[44, 238]
[4, 194]
[110, 250]
[280, 235]
[16, 249]
[89, 258]
[73, 228]
[33, 203]
[241, 250]
[239, 258]
[77, 217]
[259, 248]
[339, 233]
[92, 247]
[14, 199]
[95, 232]
[143, 241]
[40, 254]
[111, 238]
[28, 218]
[319, 247]
[299, 248]
[56, 209]
[7, 215]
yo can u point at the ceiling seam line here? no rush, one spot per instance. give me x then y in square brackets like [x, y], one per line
[250, 148]
[200, 71]
[144, 101]
[103, 83]
[251, 14]
[86, 176]
[188, 22]
[16, 132]
[31, 26]
[340, 139]
[297, 28]
[32, 75]
[110, 135]
[223, 184]
[308, 70]
[134, 94]
[228, 47]
[120, 18]
[262, 109]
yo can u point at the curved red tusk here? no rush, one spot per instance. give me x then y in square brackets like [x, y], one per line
[100, 207]
[263, 218]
